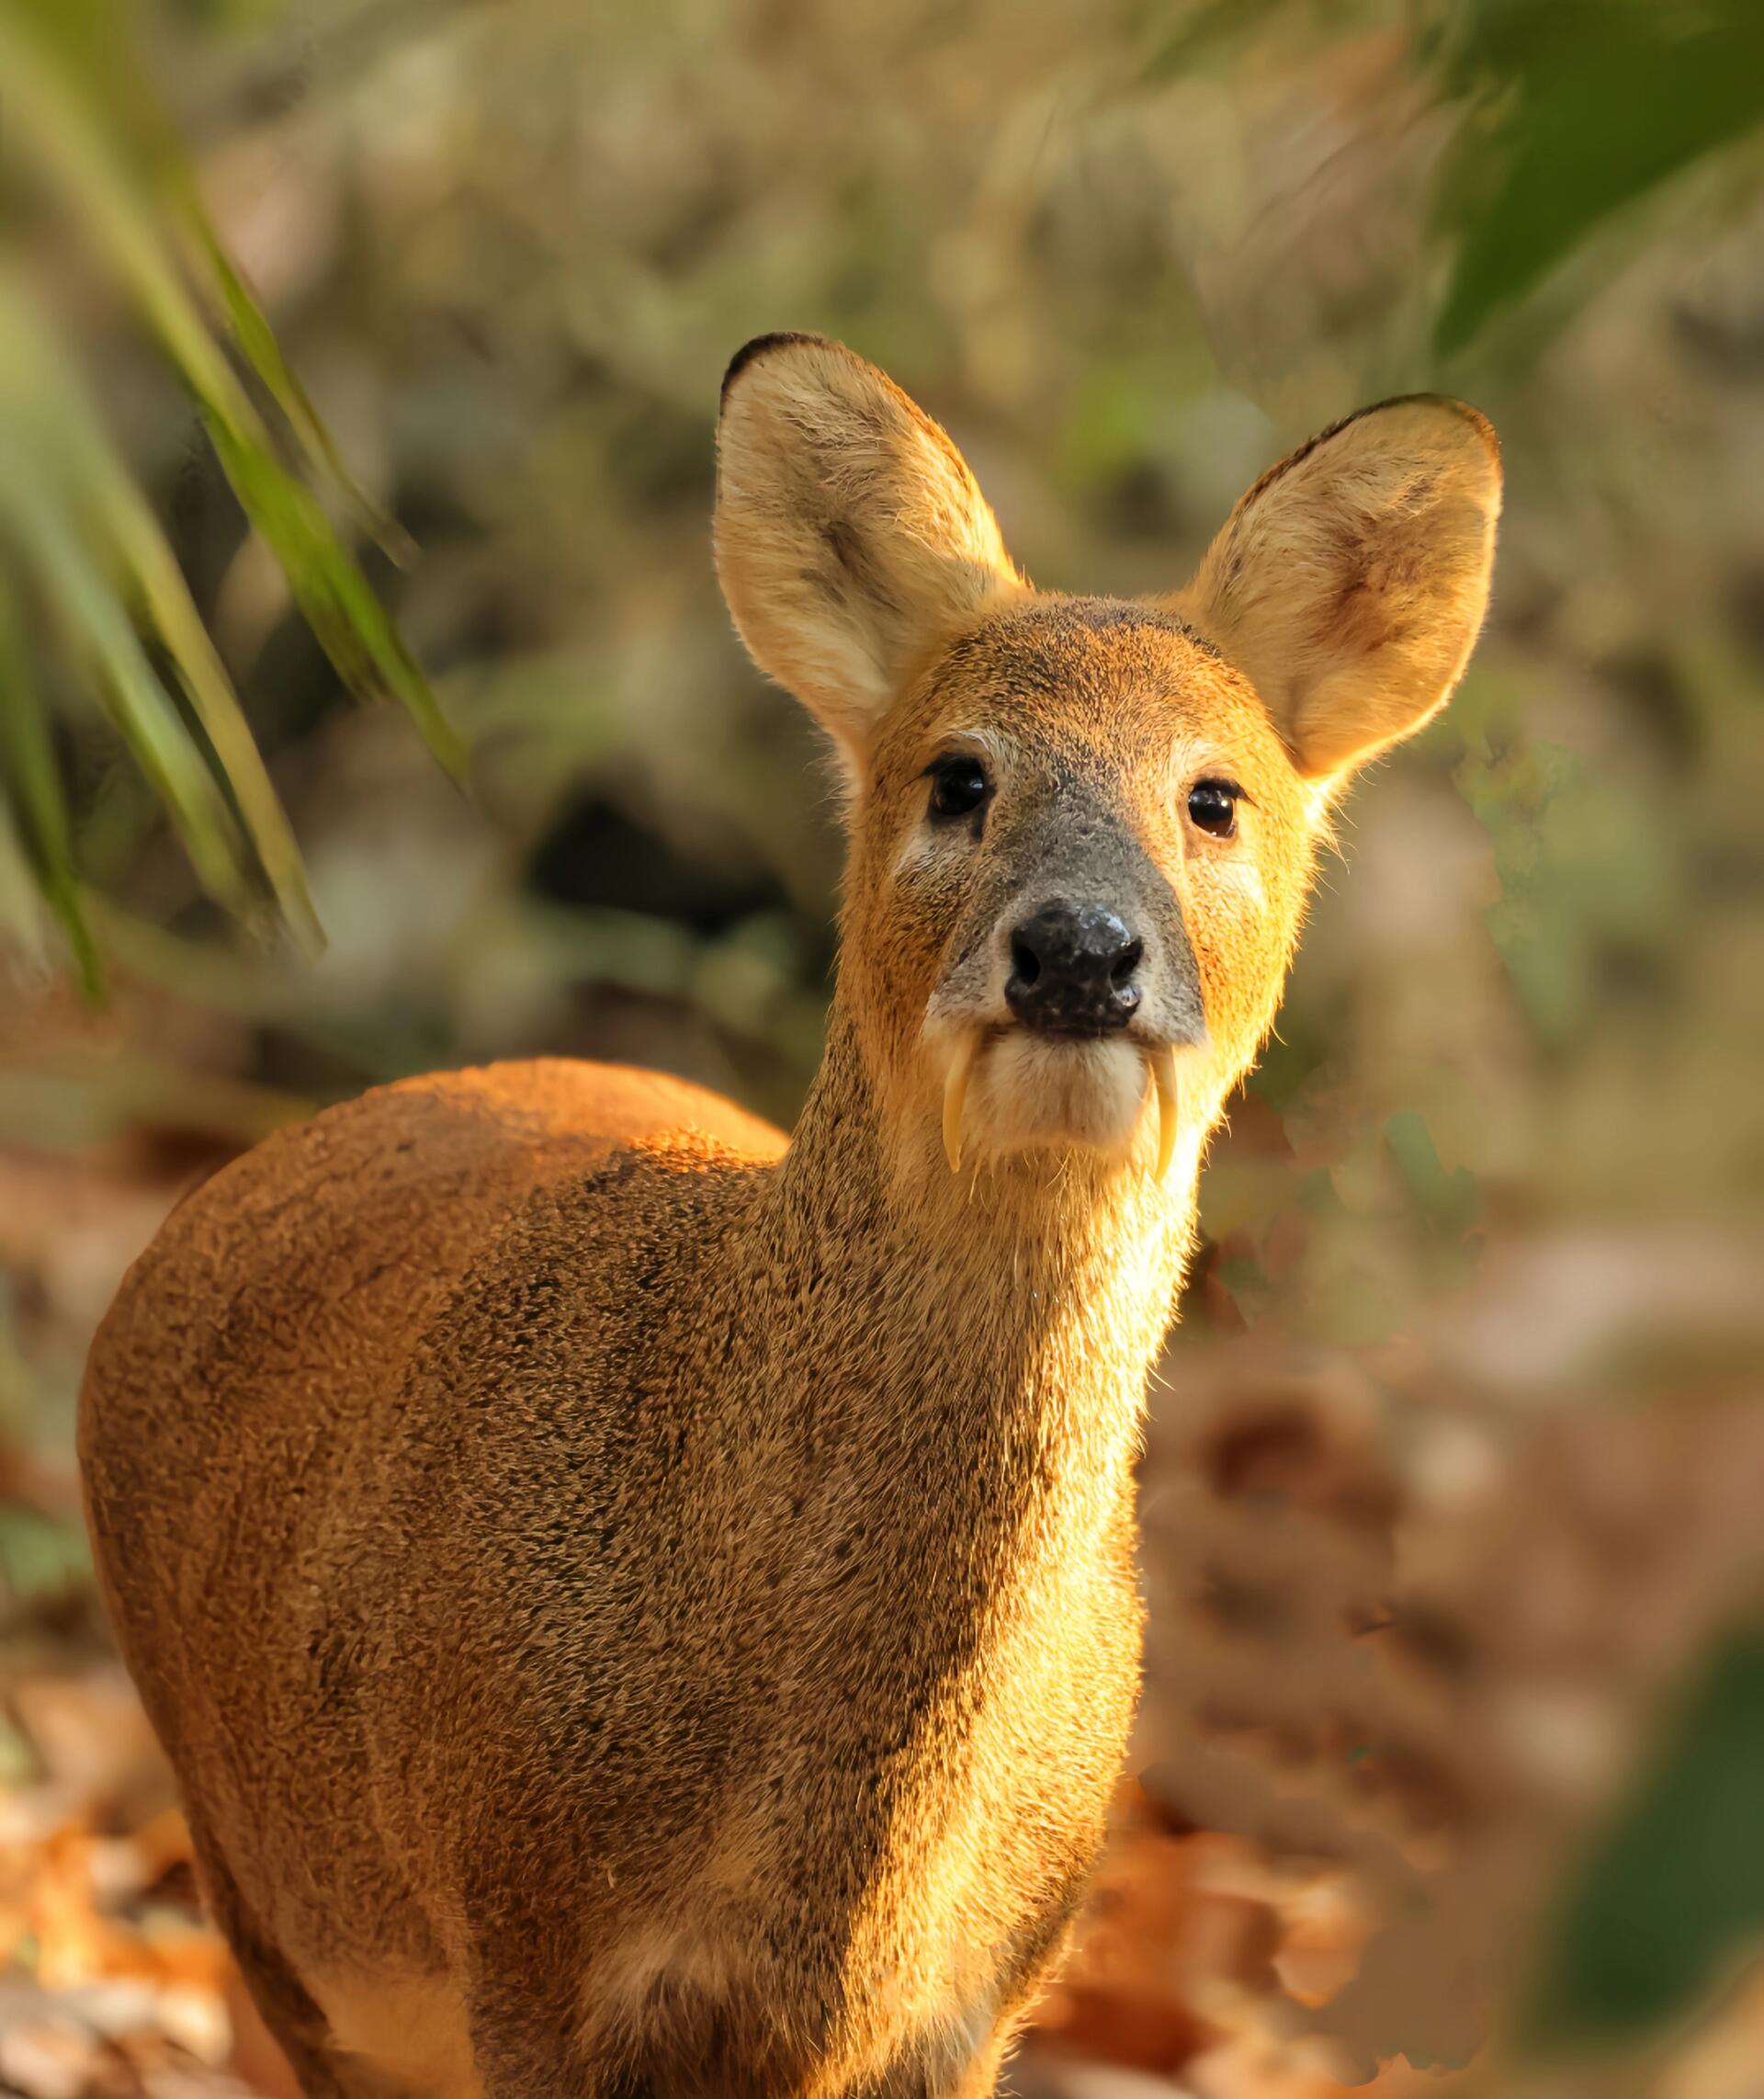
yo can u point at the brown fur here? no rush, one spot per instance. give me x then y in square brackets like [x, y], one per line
[635, 1609]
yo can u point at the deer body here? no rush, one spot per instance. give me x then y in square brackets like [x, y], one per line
[637, 1609]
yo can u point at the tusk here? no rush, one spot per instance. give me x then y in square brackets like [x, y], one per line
[961, 1069]
[1163, 1077]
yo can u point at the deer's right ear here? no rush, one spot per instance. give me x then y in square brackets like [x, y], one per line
[850, 534]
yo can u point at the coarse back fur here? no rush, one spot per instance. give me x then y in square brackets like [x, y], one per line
[635, 1609]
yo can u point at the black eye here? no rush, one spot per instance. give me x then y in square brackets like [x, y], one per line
[958, 786]
[1213, 807]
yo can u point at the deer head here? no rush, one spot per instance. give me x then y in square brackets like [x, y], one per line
[1083, 830]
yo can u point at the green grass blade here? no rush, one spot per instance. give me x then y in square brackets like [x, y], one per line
[204, 678]
[258, 344]
[115, 510]
[216, 707]
[33, 786]
[339, 605]
[97, 624]
[46, 116]
[53, 125]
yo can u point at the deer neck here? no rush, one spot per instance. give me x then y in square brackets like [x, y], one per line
[1004, 1319]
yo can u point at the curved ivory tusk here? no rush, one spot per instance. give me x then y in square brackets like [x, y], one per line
[961, 1069]
[1163, 1077]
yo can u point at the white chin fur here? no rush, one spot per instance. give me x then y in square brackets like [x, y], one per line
[1028, 1092]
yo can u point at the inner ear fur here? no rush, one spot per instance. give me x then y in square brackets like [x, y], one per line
[849, 533]
[1349, 583]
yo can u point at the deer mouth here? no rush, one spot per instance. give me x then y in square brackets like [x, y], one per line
[1085, 1089]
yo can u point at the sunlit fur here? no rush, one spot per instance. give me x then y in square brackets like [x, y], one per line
[1030, 1094]
[640, 1613]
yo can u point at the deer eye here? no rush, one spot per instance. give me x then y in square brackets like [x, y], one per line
[1213, 807]
[958, 786]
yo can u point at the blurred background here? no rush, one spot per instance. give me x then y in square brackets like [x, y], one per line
[366, 705]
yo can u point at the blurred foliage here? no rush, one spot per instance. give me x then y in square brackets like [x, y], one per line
[80, 126]
[1591, 103]
[1674, 1896]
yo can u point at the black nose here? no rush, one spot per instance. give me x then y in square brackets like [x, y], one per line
[1071, 970]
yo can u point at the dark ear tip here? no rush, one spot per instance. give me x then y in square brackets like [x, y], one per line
[1449, 405]
[762, 346]
[1484, 429]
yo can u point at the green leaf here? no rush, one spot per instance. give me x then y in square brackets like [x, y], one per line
[57, 128]
[97, 624]
[1597, 102]
[39, 1556]
[1674, 1893]
[355, 629]
[1448, 1200]
[258, 344]
[33, 786]
[113, 510]
[48, 116]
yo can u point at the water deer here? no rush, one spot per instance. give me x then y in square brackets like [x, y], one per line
[638, 1608]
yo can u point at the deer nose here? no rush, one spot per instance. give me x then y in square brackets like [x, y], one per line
[1072, 970]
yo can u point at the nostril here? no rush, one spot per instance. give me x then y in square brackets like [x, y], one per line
[1072, 970]
[1125, 963]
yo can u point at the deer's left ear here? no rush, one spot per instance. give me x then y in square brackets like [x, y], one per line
[1350, 583]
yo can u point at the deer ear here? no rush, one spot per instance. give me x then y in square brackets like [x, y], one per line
[850, 535]
[1350, 583]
